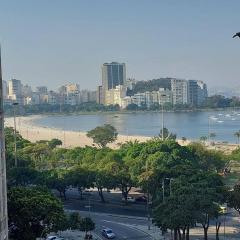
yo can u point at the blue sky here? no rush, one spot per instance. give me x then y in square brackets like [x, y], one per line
[52, 42]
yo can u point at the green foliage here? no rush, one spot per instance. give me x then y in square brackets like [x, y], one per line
[74, 221]
[151, 85]
[234, 198]
[196, 184]
[87, 224]
[54, 143]
[33, 212]
[103, 135]
[165, 134]
[237, 135]
[219, 101]
[23, 176]
[48, 108]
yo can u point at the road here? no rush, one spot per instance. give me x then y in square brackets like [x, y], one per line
[122, 226]
[113, 204]
[110, 214]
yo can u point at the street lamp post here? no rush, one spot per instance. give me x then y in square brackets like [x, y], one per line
[15, 133]
[163, 95]
[162, 124]
[163, 189]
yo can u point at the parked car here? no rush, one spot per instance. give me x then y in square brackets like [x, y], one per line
[108, 233]
[54, 238]
[141, 199]
[129, 199]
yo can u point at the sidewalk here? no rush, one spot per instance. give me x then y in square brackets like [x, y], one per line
[231, 232]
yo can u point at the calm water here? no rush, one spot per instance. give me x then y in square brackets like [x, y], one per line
[191, 125]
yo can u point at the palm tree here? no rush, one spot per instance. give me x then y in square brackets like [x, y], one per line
[203, 138]
[237, 135]
[212, 135]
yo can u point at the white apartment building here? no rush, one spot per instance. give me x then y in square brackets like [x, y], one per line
[15, 91]
[165, 96]
[179, 88]
[115, 96]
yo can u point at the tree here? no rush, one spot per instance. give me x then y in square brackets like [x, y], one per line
[234, 198]
[54, 143]
[22, 176]
[56, 179]
[203, 138]
[237, 135]
[74, 221]
[79, 177]
[184, 139]
[103, 135]
[212, 135]
[104, 179]
[166, 135]
[33, 212]
[87, 225]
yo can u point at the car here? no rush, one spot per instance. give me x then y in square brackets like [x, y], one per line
[141, 199]
[52, 238]
[129, 199]
[108, 233]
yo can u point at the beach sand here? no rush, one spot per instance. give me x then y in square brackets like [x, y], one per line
[27, 127]
[29, 130]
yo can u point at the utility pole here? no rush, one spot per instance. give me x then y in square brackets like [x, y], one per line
[163, 189]
[162, 123]
[162, 102]
[3, 184]
[148, 197]
[15, 134]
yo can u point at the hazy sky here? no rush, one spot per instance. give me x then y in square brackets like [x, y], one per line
[52, 42]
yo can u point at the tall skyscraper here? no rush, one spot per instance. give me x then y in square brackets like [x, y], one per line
[3, 190]
[113, 74]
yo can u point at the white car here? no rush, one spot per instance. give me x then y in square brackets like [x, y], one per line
[129, 199]
[108, 233]
[54, 238]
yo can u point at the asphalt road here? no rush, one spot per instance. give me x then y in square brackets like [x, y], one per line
[119, 226]
[113, 205]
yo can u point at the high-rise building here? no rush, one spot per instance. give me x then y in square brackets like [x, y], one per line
[99, 95]
[113, 75]
[3, 188]
[179, 88]
[197, 92]
[26, 91]
[15, 91]
[42, 90]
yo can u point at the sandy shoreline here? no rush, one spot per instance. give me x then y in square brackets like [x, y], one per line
[27, 127]
[29, 130]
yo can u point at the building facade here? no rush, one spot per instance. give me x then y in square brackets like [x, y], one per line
[15, 91]
[197, 92]
[113, 75]
[3, 185]
[179, 88]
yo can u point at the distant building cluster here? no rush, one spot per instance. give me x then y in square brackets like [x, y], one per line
[179, 91]
[15, 91]
[113, 91]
